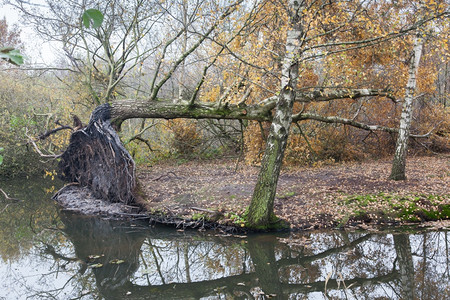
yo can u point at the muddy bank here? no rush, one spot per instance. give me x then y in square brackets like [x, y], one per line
[214, 195]
[81, 200]
[308, 198]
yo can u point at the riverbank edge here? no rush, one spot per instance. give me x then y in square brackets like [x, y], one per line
[80, 200]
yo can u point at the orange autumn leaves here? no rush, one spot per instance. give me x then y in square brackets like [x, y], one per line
[348, 44]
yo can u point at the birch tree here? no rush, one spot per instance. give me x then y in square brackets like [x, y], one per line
[310, 30]
[260, 213]
[399, 162]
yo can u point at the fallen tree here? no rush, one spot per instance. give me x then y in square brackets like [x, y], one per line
[96, 157]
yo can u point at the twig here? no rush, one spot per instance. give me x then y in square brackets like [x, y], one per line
[204, 210]
[39, 151]
[242, 146]
[50, 132]
[428, 133]
[167, 174]
[4, 208]
[7, 197]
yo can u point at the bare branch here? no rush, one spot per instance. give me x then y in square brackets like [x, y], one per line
[318, 95]
[7, 197]
[230, 9]
[426, 134]
[45, 135]
[351, 122]
[30, 139]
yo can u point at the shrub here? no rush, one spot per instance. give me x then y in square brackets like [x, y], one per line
[186, 137]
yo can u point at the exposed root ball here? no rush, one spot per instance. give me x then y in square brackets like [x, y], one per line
[97, 159]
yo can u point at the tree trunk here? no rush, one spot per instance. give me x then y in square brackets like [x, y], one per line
[260, 213]
[97, 159]
[399, 162]
[402, 247]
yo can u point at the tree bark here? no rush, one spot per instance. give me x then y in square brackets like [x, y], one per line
[399, 161]
[170, 109]
[260, 212]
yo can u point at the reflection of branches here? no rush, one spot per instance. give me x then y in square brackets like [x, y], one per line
[158, 267]
[7, 198]
[244, 282]
[318, 286]
[234, 283]
[324, 254]
[52, 294]
[49, 249]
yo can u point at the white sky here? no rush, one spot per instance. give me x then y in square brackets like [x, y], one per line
[36, 51]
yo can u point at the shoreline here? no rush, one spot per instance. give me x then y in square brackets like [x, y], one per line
[212, 195]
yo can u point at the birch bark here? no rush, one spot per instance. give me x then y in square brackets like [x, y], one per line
[399, 161]
[260, 213]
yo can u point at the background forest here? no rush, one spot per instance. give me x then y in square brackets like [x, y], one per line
[222, 52]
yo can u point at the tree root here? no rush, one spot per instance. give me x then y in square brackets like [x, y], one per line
[97, 159]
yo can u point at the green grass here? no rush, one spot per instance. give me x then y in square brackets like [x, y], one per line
[392, 207]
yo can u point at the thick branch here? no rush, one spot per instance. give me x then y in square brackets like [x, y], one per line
[318, 95]
[352, 122]
[132, 108]
[167, 109]
[262, 112]
[340, 120]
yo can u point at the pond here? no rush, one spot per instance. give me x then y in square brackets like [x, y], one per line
[51, 254]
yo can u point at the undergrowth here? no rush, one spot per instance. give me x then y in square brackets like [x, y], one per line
[384, 207]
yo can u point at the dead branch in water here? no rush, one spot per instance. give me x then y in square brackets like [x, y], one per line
[9, 198]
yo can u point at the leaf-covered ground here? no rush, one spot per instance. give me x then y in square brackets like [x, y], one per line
[351, 194]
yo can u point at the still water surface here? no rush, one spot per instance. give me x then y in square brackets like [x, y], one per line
[49, 254]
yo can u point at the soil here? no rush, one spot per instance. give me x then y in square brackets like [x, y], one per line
[73, 197]
[215, 195]
[308, 198]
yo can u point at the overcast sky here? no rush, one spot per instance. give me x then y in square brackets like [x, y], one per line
[36, 50]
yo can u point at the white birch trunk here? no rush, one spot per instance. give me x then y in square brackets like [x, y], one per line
[399, 161]
[260, 213]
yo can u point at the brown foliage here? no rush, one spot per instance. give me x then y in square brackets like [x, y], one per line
[9, 36]
[186, 136]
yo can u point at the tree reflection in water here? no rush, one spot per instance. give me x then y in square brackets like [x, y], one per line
[119, 261]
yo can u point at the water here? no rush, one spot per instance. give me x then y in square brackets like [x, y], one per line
[48, 254]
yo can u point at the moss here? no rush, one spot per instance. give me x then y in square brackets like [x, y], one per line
[200, 217]
[362, 200]
[275, 223]
[445, 210]
[387, 208]
[260, 212]
[286, 195]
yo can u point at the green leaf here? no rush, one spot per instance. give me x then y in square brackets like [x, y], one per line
[93, 16]
[1, 159]
[11, 55]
